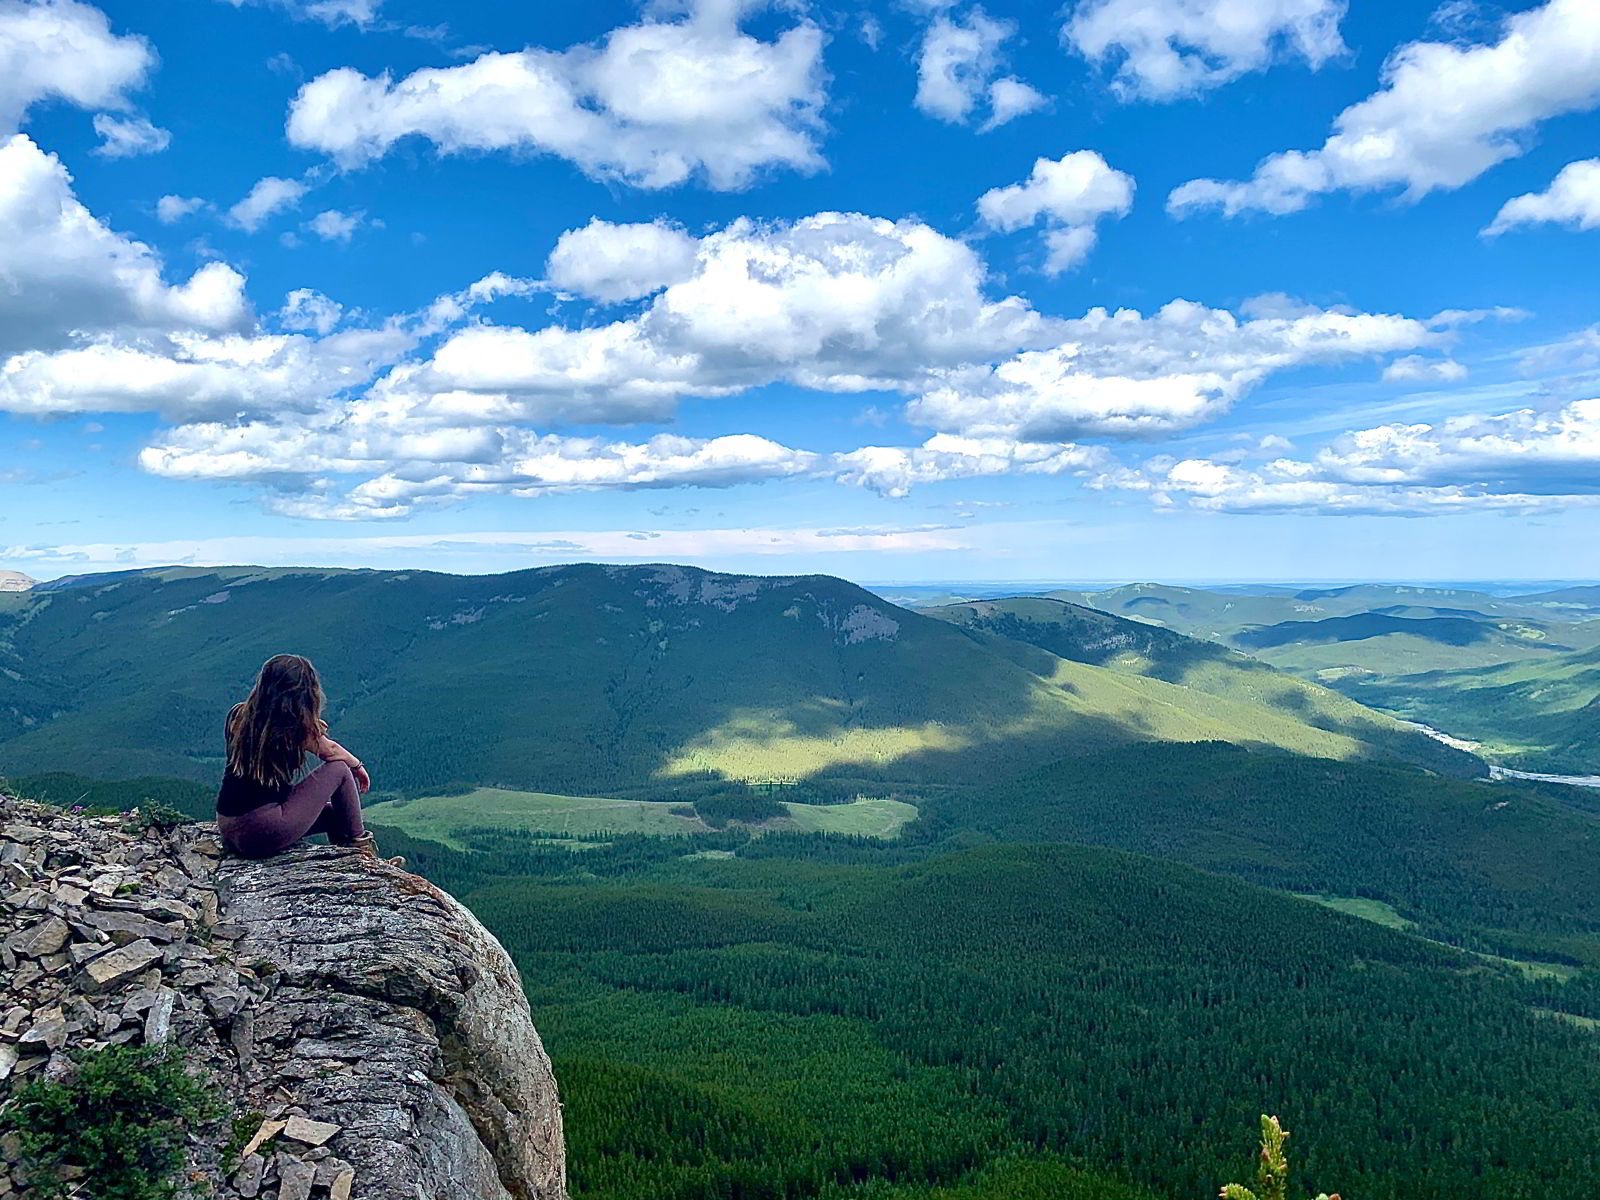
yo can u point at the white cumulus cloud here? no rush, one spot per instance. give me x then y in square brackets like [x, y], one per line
[612, 263]
[1165, 49]
[64, 50]
[68, 274]
[411, 468]
[128, 137]
[1070, 195]
[1414, 368]
[267, 198]
[172, 209]
[1445, 114]
[332, 225]
[654, 104]
[958, 71]
[1527, 459]
[895, 470]
[329, 12]
[305, 309]
[190, 376]
[1124, 374]
[1572, 199]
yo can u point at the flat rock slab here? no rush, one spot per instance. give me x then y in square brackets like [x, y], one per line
[113, 967]
[48, 936]
[312, 1133]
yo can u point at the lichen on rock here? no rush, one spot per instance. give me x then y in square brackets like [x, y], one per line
[370, 1035]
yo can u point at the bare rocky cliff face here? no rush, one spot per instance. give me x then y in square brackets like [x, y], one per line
[368, 1033]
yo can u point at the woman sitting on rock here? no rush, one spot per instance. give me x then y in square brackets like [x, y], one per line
[261, 809]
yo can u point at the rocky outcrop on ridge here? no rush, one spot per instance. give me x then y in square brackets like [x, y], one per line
[370, 1036]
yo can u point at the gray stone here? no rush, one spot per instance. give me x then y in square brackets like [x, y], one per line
[295, 1178]
[115, 966]
[48, 936]
[82, 952]
[312, 1133]
[124, 927]
[70, 894]
[158, 1018]
[50, 1029]
[247, 1179]
[264, 1133]
[425, 1001]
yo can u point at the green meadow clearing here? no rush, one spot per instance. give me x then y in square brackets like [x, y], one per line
[443, 818]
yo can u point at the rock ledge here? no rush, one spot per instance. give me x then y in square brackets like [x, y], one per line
[373, 1031]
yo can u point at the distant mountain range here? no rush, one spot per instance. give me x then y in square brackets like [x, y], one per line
[15, 581]
[597, 679]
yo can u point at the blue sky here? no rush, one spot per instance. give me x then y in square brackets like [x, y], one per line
[1171, 289]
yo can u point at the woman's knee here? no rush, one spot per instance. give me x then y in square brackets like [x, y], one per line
[338, 772]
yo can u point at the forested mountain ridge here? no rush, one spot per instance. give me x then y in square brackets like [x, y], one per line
[1498, 867]
[585, 677]
[1089, 635]
[1539, 714]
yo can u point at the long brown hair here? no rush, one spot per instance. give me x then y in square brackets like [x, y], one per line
[270, 732]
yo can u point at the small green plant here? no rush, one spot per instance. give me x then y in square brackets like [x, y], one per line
[243, 1129]
[153, 814]
[1272, 1168]
[119, 1119]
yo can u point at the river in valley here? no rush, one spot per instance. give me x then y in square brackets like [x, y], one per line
[1498, 772]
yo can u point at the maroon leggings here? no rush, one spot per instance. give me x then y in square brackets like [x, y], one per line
[325, 801]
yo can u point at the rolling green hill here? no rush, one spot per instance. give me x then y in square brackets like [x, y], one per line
[1493, 865]
[1341, 650]
[583, 679]
[1087, 635]
[1371, 629]
[1537, 714]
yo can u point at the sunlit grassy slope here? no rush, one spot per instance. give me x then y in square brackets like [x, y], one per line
[583, 679]
[444, 818]
[1225, 677]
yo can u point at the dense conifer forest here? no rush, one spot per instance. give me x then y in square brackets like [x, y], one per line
[798, 1017]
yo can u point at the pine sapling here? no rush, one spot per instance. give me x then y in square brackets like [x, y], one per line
[1272, 1169]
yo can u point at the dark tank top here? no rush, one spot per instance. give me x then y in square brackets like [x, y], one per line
[239, 795]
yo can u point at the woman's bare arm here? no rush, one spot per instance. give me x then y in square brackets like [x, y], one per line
[329, 750]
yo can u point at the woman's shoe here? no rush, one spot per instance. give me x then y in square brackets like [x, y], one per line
[368, 846]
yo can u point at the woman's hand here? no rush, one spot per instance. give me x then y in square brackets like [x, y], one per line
[363, 780]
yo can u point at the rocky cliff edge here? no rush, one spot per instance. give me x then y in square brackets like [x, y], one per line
[371, 1038]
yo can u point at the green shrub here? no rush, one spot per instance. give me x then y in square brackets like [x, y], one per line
[1272, 1168]
[120, 1119]
[153, 814]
